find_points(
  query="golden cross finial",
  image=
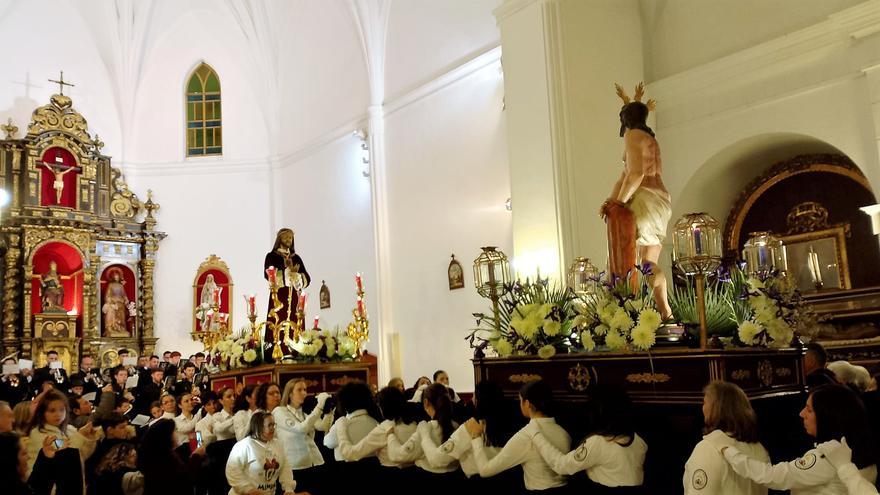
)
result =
(61, 83)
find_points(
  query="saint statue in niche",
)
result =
(292, 276)
(640, 190)
(115, 306)
(51, 290)
(206, 302)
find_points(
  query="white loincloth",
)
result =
(652, 210)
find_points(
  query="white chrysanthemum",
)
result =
(330, 344)
(779, 331)
(546, 352)
(587, 340)
(748, 330)
(621, 321)
(607, 312)
(552, 328)
(650, 319)
(614, 340)
(601, 330)
(643, 336)
(503, 347)
(250, 355)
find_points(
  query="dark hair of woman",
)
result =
(115, 459)
(437, 373)
(416, 384)
(539, 396)
(610, 414)
(257, 426)
(38, 420)
(209, 396)
(438, 396)
(357, 395)
(10, 446)
(262, 391)
(840, 413)
(241, 403)
(731, 412)
(493, 409)
(393, 405)
(157, 460)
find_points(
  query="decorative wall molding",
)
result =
(701, 89)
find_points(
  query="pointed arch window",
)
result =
(204, 130)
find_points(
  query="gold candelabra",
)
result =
(359, 328)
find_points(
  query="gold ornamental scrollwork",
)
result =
(123, 202)
(741, 375)
(647, 378)
(32, 238)
(523, 378)
(10, 287)
(59, 115)
(343, 380)
(783, 372)
(765, 372)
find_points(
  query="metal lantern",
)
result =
(491, 276)
(696, 249)
(696, 243)
(583, 277)
(764, 253)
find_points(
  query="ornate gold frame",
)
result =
(839, 234)
(212, 262)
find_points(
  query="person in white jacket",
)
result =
(423, 447)
(209, 410)
(186, 421)
(612, 454)
(840, 456)
(393, 405)
(534, 401)
(831, 412)
(257, 463)
(296, 430)
(74, 446)
(729, 420)
(223, 428)
(245, 405)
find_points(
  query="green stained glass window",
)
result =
(203, 126)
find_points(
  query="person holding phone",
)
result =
(50, 425)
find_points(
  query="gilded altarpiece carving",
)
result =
(72, 223)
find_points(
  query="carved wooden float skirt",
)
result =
(667, 376)
(321, 377)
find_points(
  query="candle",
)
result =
(817, 268)
(250, 300)
(301, 305)
(359, 281)
(270, 272)
(316, 321)
(360, 305)
(698, 241)
(217, 296)
(210, 321)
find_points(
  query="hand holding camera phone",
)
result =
(58, 443)
(199, 438)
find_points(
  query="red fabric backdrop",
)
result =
(47, 179)
(69, 265)
(221, 280)
(130, 289)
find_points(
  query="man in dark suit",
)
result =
(14, 387)
(53, 371)
(89, 375)
(185, 386)
(149, 393)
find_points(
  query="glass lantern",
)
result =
(491, 272)
(583, 277)
(764, 253)
(696, 243)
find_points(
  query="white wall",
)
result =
(447, 180)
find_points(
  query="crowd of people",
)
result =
(168, 433)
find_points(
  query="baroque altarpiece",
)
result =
(78, 247)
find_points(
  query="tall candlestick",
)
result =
(360, 305)
(359, 281)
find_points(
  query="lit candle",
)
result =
(698, 241)
(250, 301)
(359, 281)
(360, 304)
(301, 306)
(316, 321)
(817, 268)
(270, 272)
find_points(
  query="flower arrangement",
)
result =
(618, 316)
(535, 318)
(235, 352)
(316, 345)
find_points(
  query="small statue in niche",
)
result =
(116, 306)
(51, 290)
(206, 304)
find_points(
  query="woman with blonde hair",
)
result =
(728, 420)
(21, 417)
(296, 430)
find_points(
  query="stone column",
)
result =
(11, 342)
(561, 60)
